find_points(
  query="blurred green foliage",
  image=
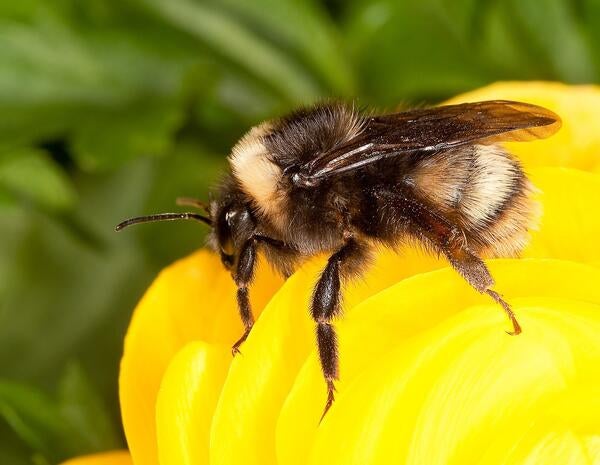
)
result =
(113, 108)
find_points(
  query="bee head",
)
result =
(229, 216)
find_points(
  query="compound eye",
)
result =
(224, 234)
(230, 218)
(232, 222)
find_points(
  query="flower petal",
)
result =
(186, 402)
(409, 350)
(569, 227)
(120, 457)
(261, 376)
(461, 386)
(193, 299)
(567, 428)
(577, 144)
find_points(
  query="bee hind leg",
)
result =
(450, 240)
(476, 273)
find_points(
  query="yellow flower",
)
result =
(428, 375)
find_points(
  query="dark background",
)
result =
(112, 108)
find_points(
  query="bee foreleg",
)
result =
(325, 305)
(243, 277)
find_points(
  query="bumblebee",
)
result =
(330, 179)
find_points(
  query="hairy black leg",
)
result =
(243, 277)
(325, 305)
(449, 240)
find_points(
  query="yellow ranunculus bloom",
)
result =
(428, 375)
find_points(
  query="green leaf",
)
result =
(12, 450)
(566, 48)
(550, 40)
(33, 417)
(230, 39)
(588, 16)
(432, 49)
(32, 174)
(6, 198)
(57, 76)
(413, 49)
(85, 415)
(298, 26)
(77, 423)
(61, 296)
(111, 137)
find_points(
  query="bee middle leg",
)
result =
(326, 305)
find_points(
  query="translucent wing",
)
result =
(432, 130)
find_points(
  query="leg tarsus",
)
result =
(235, 349)
(330, 398)
(511, 315)
(328, 354)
